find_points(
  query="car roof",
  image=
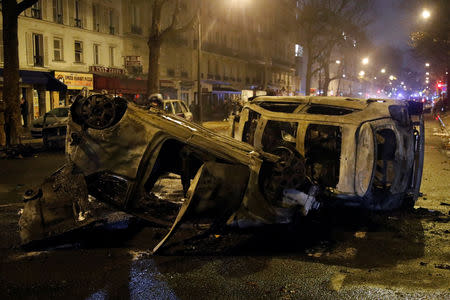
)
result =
(314, 108)
(348, 102)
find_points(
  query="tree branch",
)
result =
(24, 5)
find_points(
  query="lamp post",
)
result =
(199, 58)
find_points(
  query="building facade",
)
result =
(247, 47)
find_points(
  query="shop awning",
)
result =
(225, 90)
(41, 78)
(120, 85)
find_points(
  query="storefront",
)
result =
(40, 89)
(75, 82)
(120, 86)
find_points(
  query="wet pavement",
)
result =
(337, 254)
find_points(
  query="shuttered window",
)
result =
(58, 11)
(78, 51)
(96, 54)
(38, 50)
(57, 49)
(111, 56)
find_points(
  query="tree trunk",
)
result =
(308, 73)
(326, 79)
(11, 72)
(154, 46)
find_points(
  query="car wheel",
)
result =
(45, 141)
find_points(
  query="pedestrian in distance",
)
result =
(24, 111)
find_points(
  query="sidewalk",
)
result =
(28, 139)
(444, 133)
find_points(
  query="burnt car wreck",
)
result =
(366, 153)
(281, 163)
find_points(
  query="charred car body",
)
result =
(116, 151)
(366, 153)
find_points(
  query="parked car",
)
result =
(365, 152)
(53, 116)
(54, 127)
(177, 107)
(36, 127)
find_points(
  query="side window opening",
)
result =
(168, 107)
(248, 134)
(385, 165)
(278, 133)
(177, 107)
(323, 153)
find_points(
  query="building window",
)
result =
(111, 21)
(96, 54)
(77, 18)
(111, 56)
(78, 51)
(57, 49)
(38, 50)
(58, 11)
(96, 17)
(36, 10)
(298, 50)
(135, 24)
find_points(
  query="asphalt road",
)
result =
(341, 254)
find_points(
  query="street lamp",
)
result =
(365, 61)
(391, 77)
(199, 59)
(383, 70)
(362, 73)
(338, 61)
(427, 65)
(426, 14)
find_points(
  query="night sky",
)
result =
(391, 25)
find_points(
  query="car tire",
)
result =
(46, 142)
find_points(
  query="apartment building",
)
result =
(102, 44)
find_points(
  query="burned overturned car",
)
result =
(116, 152)
(366, 153)
(286, 164)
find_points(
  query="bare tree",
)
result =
(323, 26)
(11, 10)
(158, 34)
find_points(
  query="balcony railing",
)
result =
(38, 61)
(184, 74)
(36, 13)
(171, 72)
(217, 77)
(59, 19)
(78, 23)
(136, 29)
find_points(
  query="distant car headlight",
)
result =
(365, 159)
